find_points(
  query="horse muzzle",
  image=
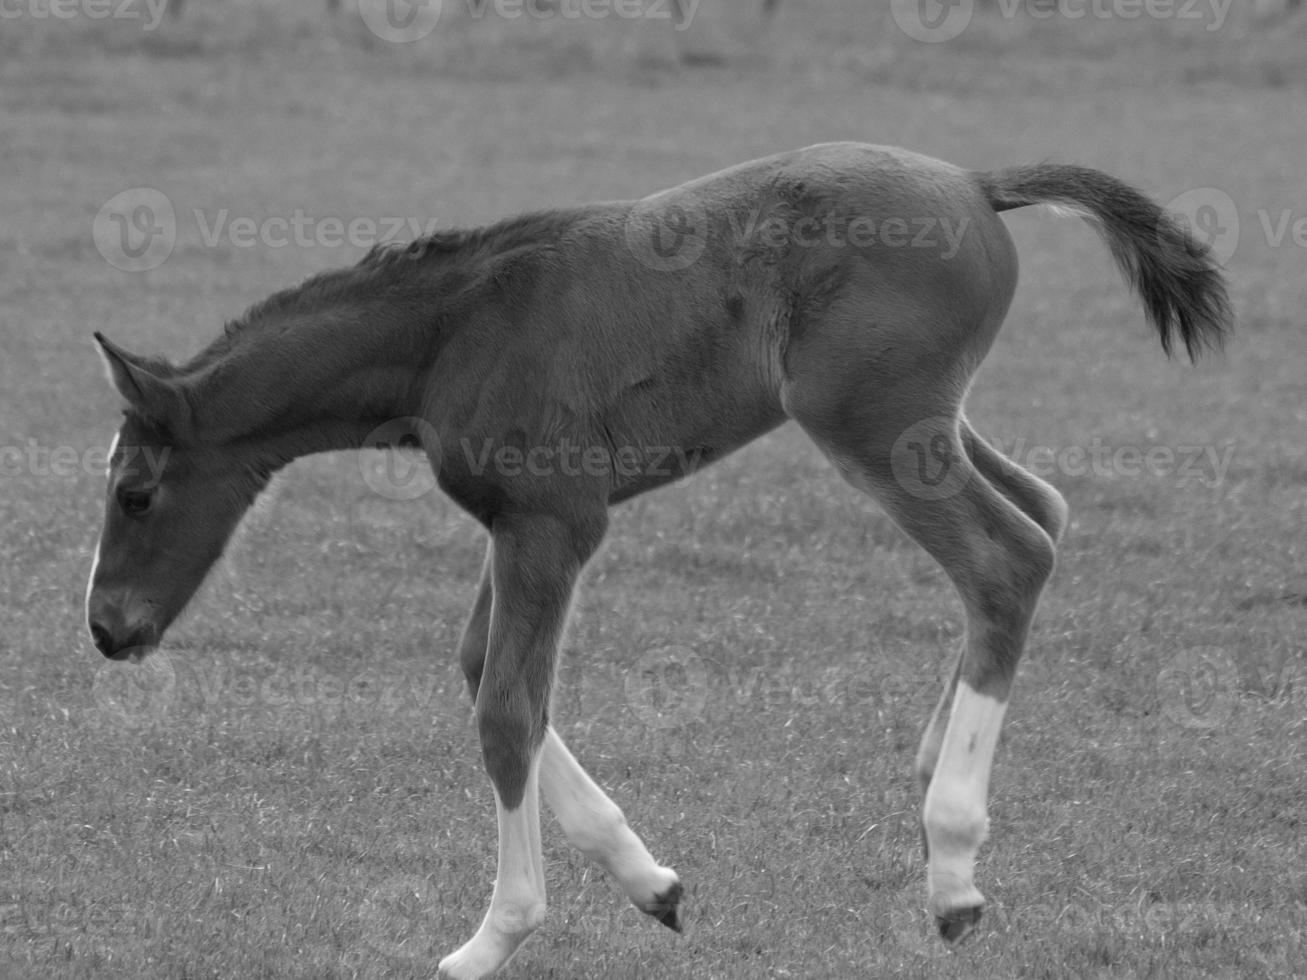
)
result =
(119, 639)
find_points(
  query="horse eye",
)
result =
(134, 502)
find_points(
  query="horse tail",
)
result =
(1176, 276)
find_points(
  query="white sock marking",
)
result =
(956, 803)
(517, 904)
(596, 826)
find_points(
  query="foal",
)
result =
(851, 288)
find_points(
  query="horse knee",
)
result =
(510, 735)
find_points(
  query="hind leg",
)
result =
(1036, 499)
(997, 557)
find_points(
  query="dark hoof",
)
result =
(958, 924)
(663, 907)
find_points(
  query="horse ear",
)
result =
(142, 386)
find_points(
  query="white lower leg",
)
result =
(956, 817)
(517, 905)
(932, 740)
(595, 825)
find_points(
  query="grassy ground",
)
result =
(293, 788)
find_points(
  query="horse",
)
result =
(851, 288)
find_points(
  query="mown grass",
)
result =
(293, 788)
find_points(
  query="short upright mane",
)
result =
(390, 265)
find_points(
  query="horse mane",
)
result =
(390, 266)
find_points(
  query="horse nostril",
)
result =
(103, 640)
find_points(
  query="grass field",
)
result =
(292, 788)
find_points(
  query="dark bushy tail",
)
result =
(1176, 276)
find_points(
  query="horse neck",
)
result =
(319, 383)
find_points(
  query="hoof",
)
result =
(958, 924)
(664, 906)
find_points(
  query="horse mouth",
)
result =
(132, 654)
(133, 648)
(136, 654)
